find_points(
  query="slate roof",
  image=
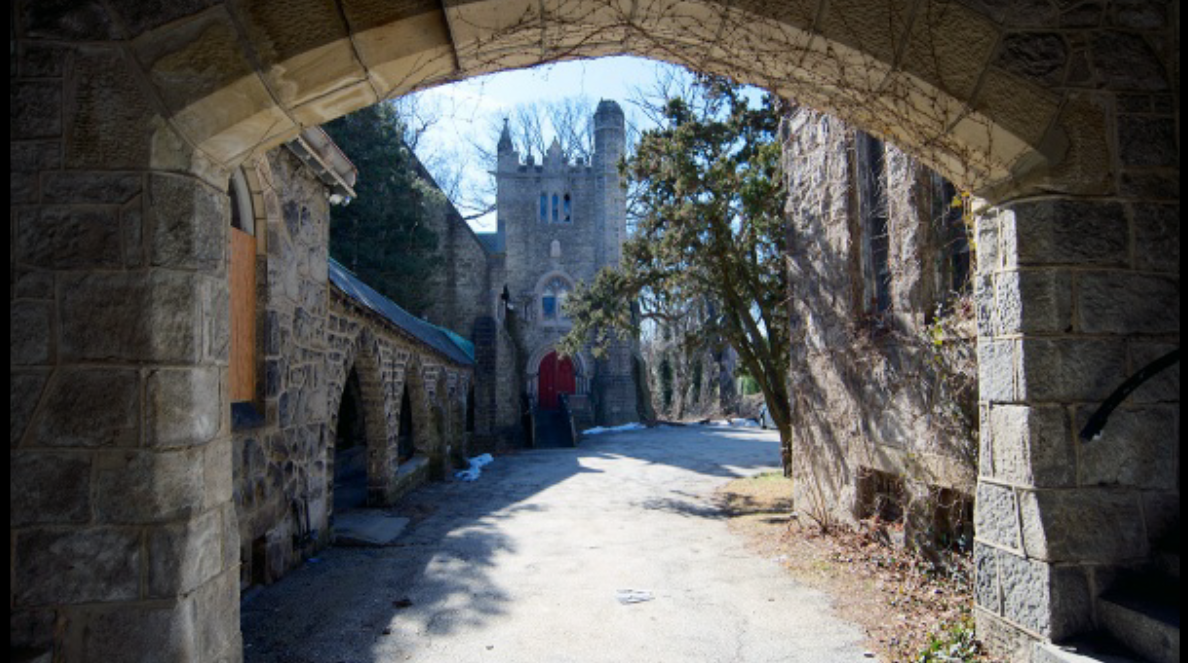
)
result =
(493, 242)
(457, 349)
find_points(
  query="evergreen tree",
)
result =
(383, 236)
(710, 228)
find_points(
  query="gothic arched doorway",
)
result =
(555, 377)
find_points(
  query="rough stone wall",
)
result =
(863, 388)
(437, 393)
(1063, 115)
(283, 464)
(279, 462)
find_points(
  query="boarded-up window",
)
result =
(243, 293)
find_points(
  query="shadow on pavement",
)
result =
(349, 604)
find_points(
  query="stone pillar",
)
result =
(123, 536)
(1073, 296)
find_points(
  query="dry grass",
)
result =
(910, 609)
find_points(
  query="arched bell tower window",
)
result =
(568, 211)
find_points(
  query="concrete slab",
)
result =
(367, 527)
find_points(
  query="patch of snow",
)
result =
(597, 430)
(476, 464)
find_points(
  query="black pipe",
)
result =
(1098, 421)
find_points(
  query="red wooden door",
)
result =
(547, 381)
(565, 377)
(556, 377)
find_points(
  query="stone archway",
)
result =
(126, 122)
(377, 460)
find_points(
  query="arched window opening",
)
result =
(350, 448)
(406, 448)
(555, 213)
(568, 212)
(552, 299)
(242, 284)
(544, 207)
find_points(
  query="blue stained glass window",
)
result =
(548, 304)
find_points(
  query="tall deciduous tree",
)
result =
(709, 227)
(383, 236)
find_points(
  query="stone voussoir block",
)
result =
(997, 369)
(996, 517)
(25, 388)
(1138, 448)
(137, 632)
(31, 338)
(52, 567)
(73, 187)
(187, 221)
(1070, 369)
(183, 406)
(1113, 303)
(90, 407)
(1033, 301)
(69, 237)
(49, 488)
(144, 315)
(1075, 232)
(137, 486)
(1157, 237)
(1083, 525)
(1032, 446)
(1025, 591)
(183, 556)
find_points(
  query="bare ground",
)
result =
(910, 609)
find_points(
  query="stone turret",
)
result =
(610, 143)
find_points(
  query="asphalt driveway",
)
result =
(610, 552)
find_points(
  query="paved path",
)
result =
(524, 566)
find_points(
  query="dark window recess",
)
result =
(568, 213)
(948, 217)
(470, 411)
(544, 207)
(880, 495)
(877, 213)
(548, 305)
(260, 561)
(406, 448)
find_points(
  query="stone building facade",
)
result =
(127, 119)
(318, 324)
(890, 411)
(883, 374)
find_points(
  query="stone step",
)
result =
(552, 430)
(1098, 649)
(1143, 613)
